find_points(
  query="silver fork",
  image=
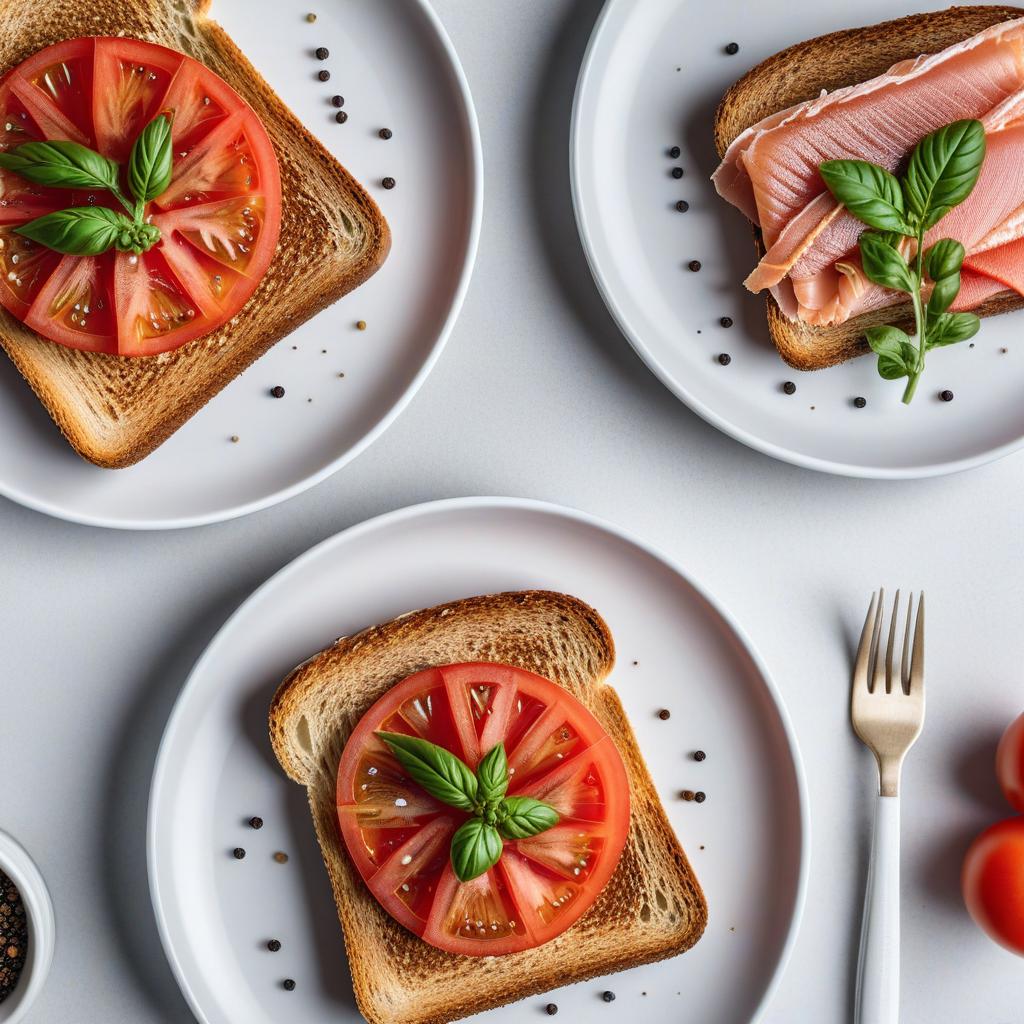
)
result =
(887, 709)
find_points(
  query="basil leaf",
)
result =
(61, 164)
(949, 328)
(80, 231)
(150, 165)
(942, 263)
(886, 339)
(884, 265)
(492, 774)
(869, 192)
(520, 817)
(476, 846)
(943, 169)
(435, 769)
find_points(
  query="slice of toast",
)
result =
(829, 62)
(115, 410)
(652, 907)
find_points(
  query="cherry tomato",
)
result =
(1010, 763)
(993, 883)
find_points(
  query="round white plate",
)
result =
(396, 68)
(748, 842)
(651, 79)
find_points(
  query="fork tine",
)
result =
(905, 661)
(863, 662)
(877, 644)
(917, 664)
(891, 647)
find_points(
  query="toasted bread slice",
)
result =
(829, 62)
(116, 410)
(652, 907)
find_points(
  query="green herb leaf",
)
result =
(438, 771)
(476, 846)
(81, 231)
(61, 164)
(943, 169)
(949, 328)
(492, 774)
(897, 356)
(150, 165)
(942, 263)
(883, 264)
(869, 192)
(520, 817)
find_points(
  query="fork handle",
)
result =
(878, 970)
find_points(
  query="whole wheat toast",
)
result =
(115, 410)
(830, 62)
(652, 907)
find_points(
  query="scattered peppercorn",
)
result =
(732, 48)
(238, 853)
(324, 76)
(311, 17)
(14, 936)
(699, 755)
(860, 402)
(337, 101)
(664, 714)
(341, 117)
(234, 439)
(288, 984)
(360, 325)
(385, 133)
(322, 53)
(726, 321)
(682, 206)
(281, 858)
(946, 396)
(1004, 350)
(273, 945)
(677, 172)
(277, 391)
(675, 152)
(256, 821)
(388, 182)
(700, 796)
(694, 265)
(608, 997)
(551, 1009)
(687, 794)
(789, 387)
(724, 358)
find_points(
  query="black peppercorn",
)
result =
(687, 794)
(288, 984)
(551, 1009)
(388, 182)
(682, 206)
(273, 945)
(337, 101)
(677, 172)
(238, 853)
(725, 359)
(385, 133)
(341, 117)
(694, 265)
(700, 796)
(324, 76)
(860, 402)
(726, 321)
(946, 396)
(322, 53)
(789, 387)
(699, 755)
(732, 48)
(256, 822)
(277, 391)
(608, 997)
(664, 714)
(674, 152)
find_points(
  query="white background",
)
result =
(538, 395)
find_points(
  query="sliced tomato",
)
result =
(219, 219)
(399, 837)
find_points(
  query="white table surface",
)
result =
(538, 395)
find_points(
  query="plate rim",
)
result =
(468, 116)
(444, 506)
(585, 88)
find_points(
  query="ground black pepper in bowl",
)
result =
(13, 936)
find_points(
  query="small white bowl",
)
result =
(42, 930)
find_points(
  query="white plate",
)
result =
(215, 767)
(651, 79)
(396, 68)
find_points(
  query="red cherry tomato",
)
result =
(1010, 763)
(993, 883)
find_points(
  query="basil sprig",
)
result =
(943, 169)
(477, 844)
(92, 230)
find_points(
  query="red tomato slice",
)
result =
(219, 219)
(399, 837)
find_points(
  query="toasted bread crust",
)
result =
(830, 62)
(115, 410)
(652, 907)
